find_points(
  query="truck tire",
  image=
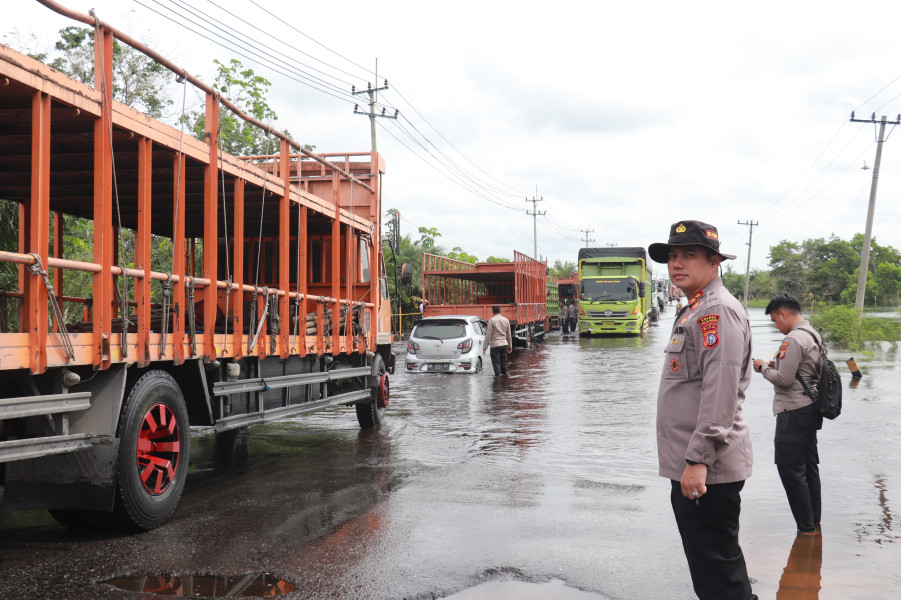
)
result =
(370, 414)
(154, 447)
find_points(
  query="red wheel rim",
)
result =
(159, 447)
(384, 393)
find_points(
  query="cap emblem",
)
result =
(680, 228)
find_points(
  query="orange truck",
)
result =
(455, 287)
(270, 302)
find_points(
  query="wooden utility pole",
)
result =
(751, 225)
(868, 234)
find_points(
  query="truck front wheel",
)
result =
(154, 444)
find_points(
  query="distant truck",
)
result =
(615, 293)
(454, 287)
(552, 319)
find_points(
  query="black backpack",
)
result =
(827, 394)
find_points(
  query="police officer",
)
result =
(797, 418)
(703, 443)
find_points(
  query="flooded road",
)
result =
(539, 485)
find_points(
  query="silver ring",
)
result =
(695, 494)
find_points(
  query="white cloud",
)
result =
(624, 116)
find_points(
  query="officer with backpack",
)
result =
(794, 371)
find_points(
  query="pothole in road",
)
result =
(252, 585)
(519, 590)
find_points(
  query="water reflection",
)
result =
(881, 532)
(254, 585)
(801, 577)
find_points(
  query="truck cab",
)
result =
(614, 291)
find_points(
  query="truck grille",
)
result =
(605, 314)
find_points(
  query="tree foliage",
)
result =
(827, 270)
(563, 270)
(247, 91)
(138, 81)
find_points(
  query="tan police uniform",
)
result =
(798, 353)
(702, 388)
(797, 421)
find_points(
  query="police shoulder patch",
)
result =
(710, 330)
(782, 348)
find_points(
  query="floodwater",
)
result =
(542, 484)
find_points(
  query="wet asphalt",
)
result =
(541, 484)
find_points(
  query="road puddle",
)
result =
(253, 585)
(520, 590)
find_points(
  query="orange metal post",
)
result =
(302, 275)
(23, 233)
(284, 251)
(38, 231)
(178, 263)
(142, 249)
(211, 229)
(336, 262)
(103, 199)
(238, 296)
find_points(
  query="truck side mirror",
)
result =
(642, 285)
(406, 274)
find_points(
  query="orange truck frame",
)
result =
(274, 303)
(455, 287)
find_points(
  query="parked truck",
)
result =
(455, 287)
(553, 317)
(615, 293)
(271, 300)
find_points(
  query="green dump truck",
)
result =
(615, 292)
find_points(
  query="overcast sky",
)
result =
(623, 117)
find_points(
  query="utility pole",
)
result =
(535, 214)
(373, 94)
(868, 234)
(751, 225)
(586, 239)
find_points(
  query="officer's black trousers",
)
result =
(797, 461)
(499, 360)
(709, 530)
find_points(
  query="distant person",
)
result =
(422, 307)
(564, 316)
(797, 418)
(572, 315)
(703, 444)
(499, 338)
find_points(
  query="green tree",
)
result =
(247, 91)
(458, 254)
(563, 270)
(427, 239)
(138, 81)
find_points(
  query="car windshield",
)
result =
(608, 290)
(440, 330)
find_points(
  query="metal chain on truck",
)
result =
(37, 268)
(192, 324)
(256, 336)
(164, 326)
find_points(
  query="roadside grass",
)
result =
(844, 327)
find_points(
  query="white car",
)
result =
(450, 344)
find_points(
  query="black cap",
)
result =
(688, 233)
